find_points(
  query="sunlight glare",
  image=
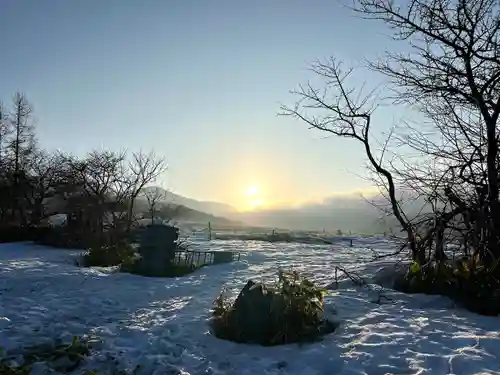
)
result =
(252, 191)
(254, 198)
(256, 203)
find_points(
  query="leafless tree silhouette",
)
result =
(451, 75)
(154, 196)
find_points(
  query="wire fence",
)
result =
(197, 259)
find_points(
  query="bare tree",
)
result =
(22, 144)
(17, 135)
(346, 117)
(5, 129)
(452, 76)
(93, 184)
(44, 178)
(112, 183)
(154, 195)
(144, 169)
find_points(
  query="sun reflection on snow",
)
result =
(158, 312)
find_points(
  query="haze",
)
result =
(199, 82)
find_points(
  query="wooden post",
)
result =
(209, 231)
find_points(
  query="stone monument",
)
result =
(157, 249)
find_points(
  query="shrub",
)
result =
(475, 288)
(13, 233)
(120, 253)
(64, 238)
(289, 311)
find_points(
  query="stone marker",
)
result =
(157, 249)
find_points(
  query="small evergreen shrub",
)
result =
(475, 288)
(289, 311)
(117, 254)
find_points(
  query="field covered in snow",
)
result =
(159, 326)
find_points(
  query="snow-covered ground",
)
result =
(154, 325)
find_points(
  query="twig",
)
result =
(356, 280)
(403, 246)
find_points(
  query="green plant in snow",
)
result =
(471, 284)
(120, 253)
(290, 310)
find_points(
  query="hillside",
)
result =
(347, 213)
(183, 213)
(186, 214)
(211, 208)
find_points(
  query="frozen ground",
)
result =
(161, 326)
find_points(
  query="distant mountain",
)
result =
(186, 214)
(346, 216)
(180, 208)
(212, 208)
(347, 213)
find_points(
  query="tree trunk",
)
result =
(493, 204)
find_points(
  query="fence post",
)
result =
(336, 279)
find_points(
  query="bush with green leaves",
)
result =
(471, 285)
(291, 310)
(115, 254)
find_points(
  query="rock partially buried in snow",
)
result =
(388, 275)
(251, 312)
(292, 312)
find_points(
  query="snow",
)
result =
(159, 326)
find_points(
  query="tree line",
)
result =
(96, 192)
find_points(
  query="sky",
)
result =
(199, 82)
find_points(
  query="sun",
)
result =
(254, 197)
(252, 191)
